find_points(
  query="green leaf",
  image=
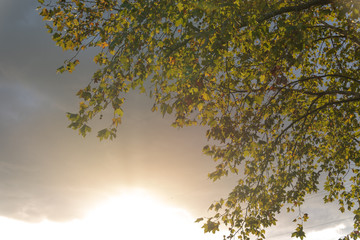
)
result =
(103, 134)
(84, 130)
(199, 220)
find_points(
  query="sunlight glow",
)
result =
(137, 215)
(328, 233)
(132, 215)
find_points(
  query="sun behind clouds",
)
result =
(137, 215)
(131, 215)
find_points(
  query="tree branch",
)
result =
(297, 8)
(343, 32)
(322, 93)
(322, 76)
(313, 111)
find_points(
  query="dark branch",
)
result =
(314, 111)
(304, 79)
(343, 32)
(322, 93)
(297, 8)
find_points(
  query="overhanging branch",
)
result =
(314, 111)
(296, 8)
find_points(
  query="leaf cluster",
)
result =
(276, 83)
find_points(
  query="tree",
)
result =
(276, 83)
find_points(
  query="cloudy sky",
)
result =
(55, 184)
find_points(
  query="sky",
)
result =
(150, 182)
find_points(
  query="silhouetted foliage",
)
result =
(276, 83)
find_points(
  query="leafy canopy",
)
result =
(276, 83)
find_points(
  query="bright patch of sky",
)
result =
(134, 215)
(328, 233)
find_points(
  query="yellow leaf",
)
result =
(103, 44)
(206, 96)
